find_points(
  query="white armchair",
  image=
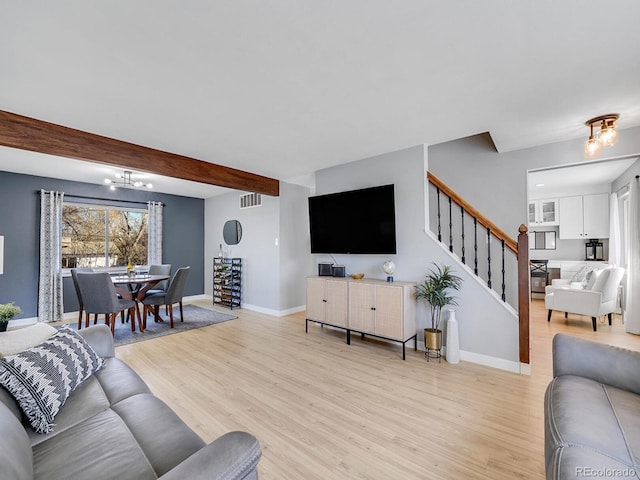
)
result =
(599, 298)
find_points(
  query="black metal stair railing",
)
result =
(486, 257)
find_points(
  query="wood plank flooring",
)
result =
(324, 410)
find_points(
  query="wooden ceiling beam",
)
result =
(27, 133)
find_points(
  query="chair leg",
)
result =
(113, 322)
(593, 320)
(566, 314)
(181, 314)
(95, 318)
(171, 315)
(86, 319)
(549, 316)
(80, 318)
(609, 315)
(145, 313)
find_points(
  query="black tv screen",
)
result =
(359, 221)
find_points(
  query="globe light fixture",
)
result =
(606, 137)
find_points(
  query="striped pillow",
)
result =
(42, 377)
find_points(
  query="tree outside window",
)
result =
(98, 236)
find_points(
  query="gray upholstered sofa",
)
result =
(592, 411)
(112, 427)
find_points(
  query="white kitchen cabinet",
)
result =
(584, 216)
(543, 213)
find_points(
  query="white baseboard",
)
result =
(486, 360)
(274, 313)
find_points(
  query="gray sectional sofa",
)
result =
(113, 427)
(592, 411)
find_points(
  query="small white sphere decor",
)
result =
(389, 267)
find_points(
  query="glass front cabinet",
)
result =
(543, 213)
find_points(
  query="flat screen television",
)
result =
(358, 221)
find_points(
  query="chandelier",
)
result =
(606, 137)
(125, 180)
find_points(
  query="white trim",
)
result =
(274, 313)
(525, 369)
(485, 360)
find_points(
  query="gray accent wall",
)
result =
(183, 234)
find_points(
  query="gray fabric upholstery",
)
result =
(113, 427)
(592, 411)
(164, 269)
(74, 277)
(174, 292)
(99, 294)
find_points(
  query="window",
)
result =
(101, 236)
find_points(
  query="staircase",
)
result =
(501, 262)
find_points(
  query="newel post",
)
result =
(524, 292)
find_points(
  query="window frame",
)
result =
(66, 272)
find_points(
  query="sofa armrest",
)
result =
(582, 302)
(606, 364)
(560, 282)
(233, 456)
(100, 339)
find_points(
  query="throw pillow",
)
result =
(42, 377)
(581, 274)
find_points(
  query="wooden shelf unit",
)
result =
(227, 282)
(369, 307)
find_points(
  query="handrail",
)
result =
(509, 242)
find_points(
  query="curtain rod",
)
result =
(102, 199)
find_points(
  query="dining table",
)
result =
(137, 287)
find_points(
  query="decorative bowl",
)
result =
(357, 276)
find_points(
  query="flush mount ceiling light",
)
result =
(606, 137)
(125, 180)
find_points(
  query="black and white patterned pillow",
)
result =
(42, 377)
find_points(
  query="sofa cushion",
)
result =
(590, 424)
(100, 447)
(149, 419)
(42, 377)
(114, 382)
(16, 460)
(15, 341)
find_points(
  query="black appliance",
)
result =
(594, 250)
(358, 221)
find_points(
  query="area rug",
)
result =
(194, 317)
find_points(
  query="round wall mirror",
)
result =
(232, 232)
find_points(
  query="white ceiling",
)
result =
(283, 88)
(554, 181)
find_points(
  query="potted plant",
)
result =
(7, 312)
(436, 291)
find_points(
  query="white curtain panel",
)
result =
(632, 313)
(50, 299)
(154, 225)
(614, 231)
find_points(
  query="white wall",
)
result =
(488, 328)
(260, 255)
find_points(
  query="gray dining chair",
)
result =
(160, 287)
(74, 272)
(173, 295)
(99, 297)
(163, 269)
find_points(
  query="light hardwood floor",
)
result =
(325, 410)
